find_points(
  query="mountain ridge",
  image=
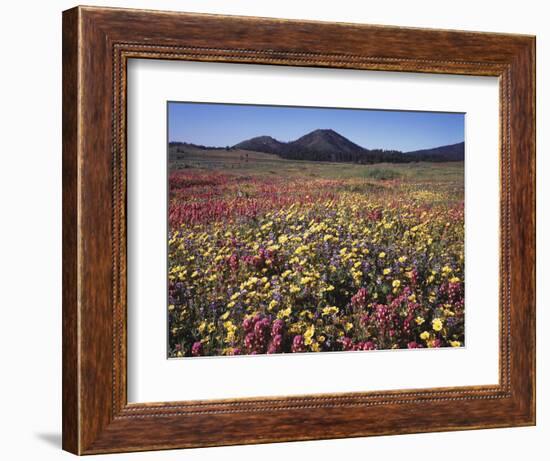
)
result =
(451, 151)
(325, 144)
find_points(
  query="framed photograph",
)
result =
(280, 230)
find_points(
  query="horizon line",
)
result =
(313, 131)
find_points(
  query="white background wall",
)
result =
(30, 227)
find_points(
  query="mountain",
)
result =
(450, 153)
(326, 142)
(265, 144)
(326, 145)
(322, 145)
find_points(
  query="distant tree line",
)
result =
(370, 156)
(180, 146)
(356, 154)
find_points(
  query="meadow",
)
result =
(268, 255)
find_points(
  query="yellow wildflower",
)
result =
(330, 310)
(437, 324)
(315, 346)
(308, 335)
(284, 313)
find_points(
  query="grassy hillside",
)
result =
(242, 162)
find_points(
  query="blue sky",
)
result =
(229, 124)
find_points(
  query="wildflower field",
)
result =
(275, 256)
